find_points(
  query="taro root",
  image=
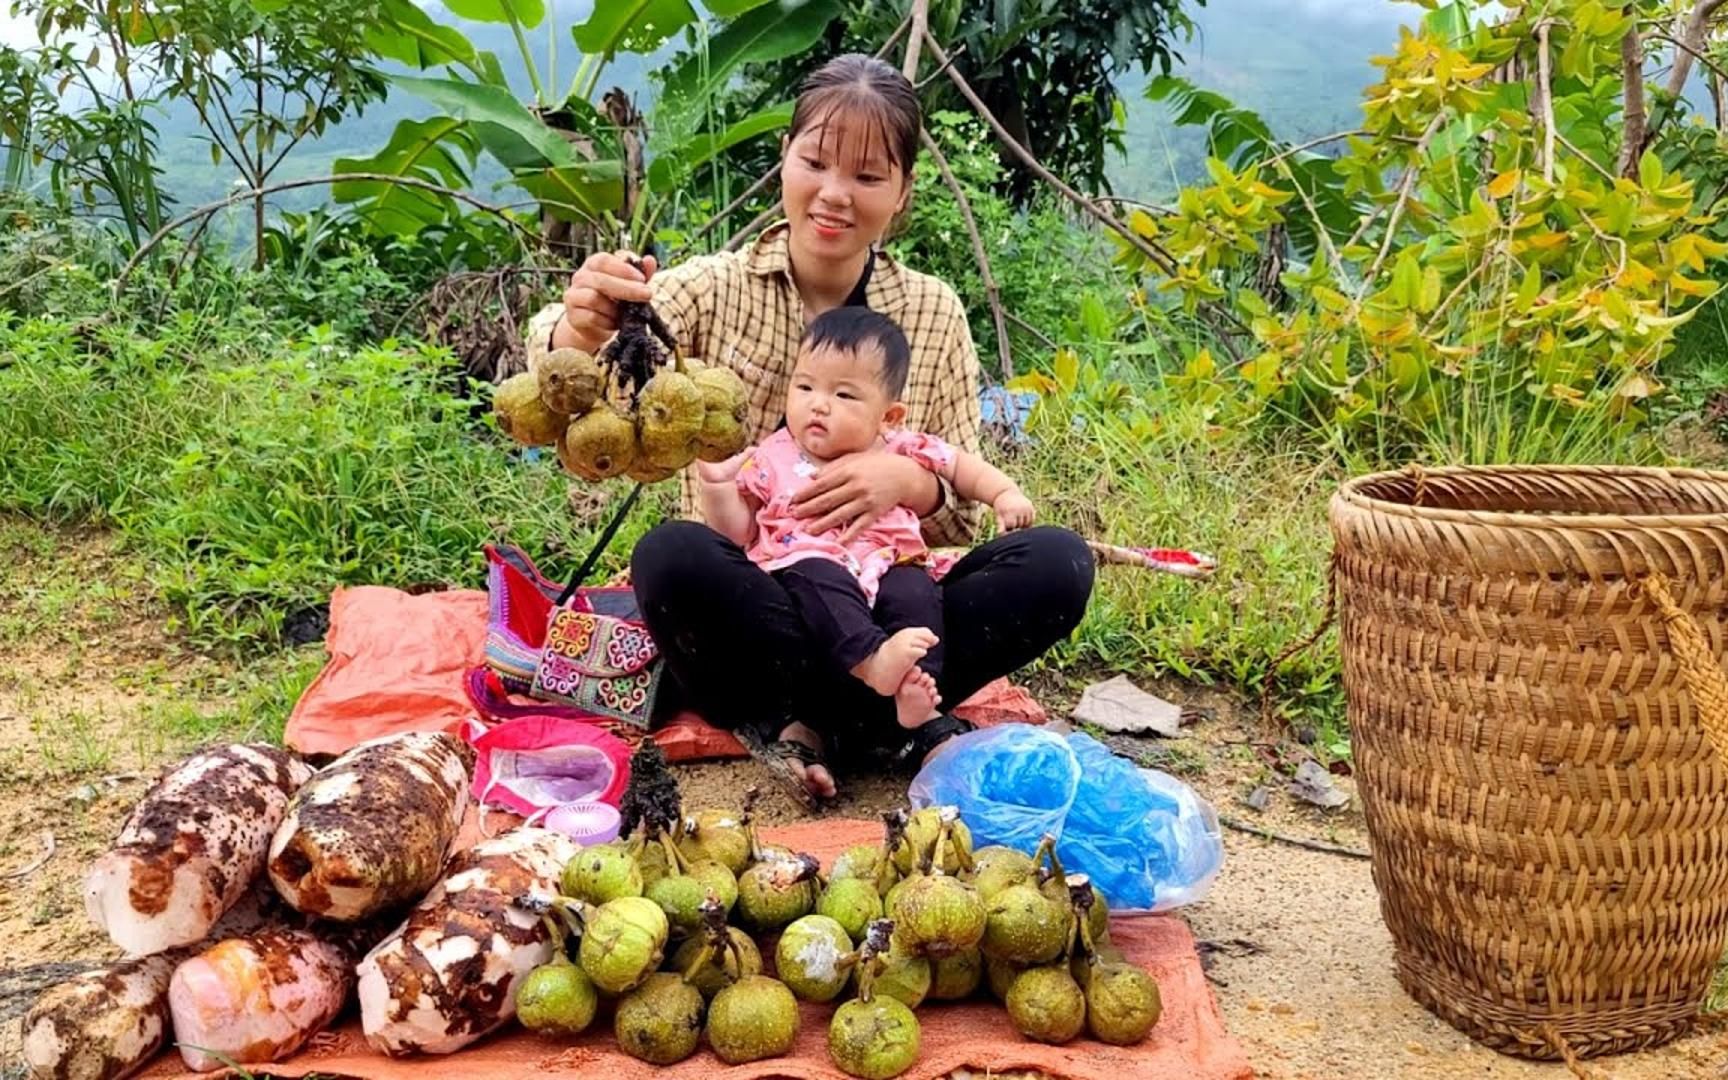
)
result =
(557, 998)
(873, 1037)
(603, 872)
(953, 978)
(814, 958)
(922, 831)
(1122, 1000)
(851, 902)
(938, 915)
(1045, 1004)
(753, 1018)
(774, 893)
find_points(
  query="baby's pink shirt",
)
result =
(777, 470)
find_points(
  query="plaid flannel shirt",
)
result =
(742, 310)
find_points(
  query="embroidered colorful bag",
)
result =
(583, 647)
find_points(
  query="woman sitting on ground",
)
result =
(736, 648)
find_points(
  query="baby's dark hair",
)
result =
(855, 328)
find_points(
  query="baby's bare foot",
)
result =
(886, 669)
(916, 700)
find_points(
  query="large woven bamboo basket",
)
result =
(1533, 664)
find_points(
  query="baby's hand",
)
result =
(722, 472)
(1013, 510)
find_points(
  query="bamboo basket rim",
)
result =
(1351, 492)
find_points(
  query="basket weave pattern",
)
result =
(1532, 662)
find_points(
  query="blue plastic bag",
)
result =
(1147, 841)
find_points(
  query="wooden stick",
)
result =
(1632, 67)
(1043, 338)
(915, 40)
(991, 292)
(1545, 97)
(1294, 841)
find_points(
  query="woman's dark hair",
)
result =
(853, 329)
(873, 91)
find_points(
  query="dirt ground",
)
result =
(95, 695)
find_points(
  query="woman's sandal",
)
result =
(928, 737)
(779, 757)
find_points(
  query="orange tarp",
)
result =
(1189, 1043)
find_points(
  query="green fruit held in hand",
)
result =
(601, 873)
(873, 1040)
(1045, 1004)
(660, 1022)
(814, 958)
(623, 943)
(851, 902)
(598, 445)
(752, 1019)
(712, 977)
(669, 420)
(569, 381)
(523, 416)
(557, 999)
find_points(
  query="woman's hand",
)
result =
(859, 488)
(591, 301)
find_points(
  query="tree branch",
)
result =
(1632, 68)
(1545, 101)
(1295, 841)
(1312, 143)
(1404, 189)
(1691, 42)
(991, 292)
(1043, 339)
(920, 25)
(1159, 257)
(289, 185)
(1702, 58)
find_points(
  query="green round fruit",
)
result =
(679, 896)
(601, 873)
(851, 902)
(623, 943)
(864, 862)
(953, 978)
(1024, 926)
(999, 975)
(660, 1022)
(939, 915)
(995, 868)
(754, 1018)
(922, 830)
(723, 969)
(1045, 1004)
(718, 835)
(813, 957)
(905, 976)
(873, 1040)
(715, 878)
(1122, 1003)
(557, 999)
(772, 894)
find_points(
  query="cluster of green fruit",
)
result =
(681, 414)
(919, 917)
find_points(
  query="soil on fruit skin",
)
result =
(1300, 960)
